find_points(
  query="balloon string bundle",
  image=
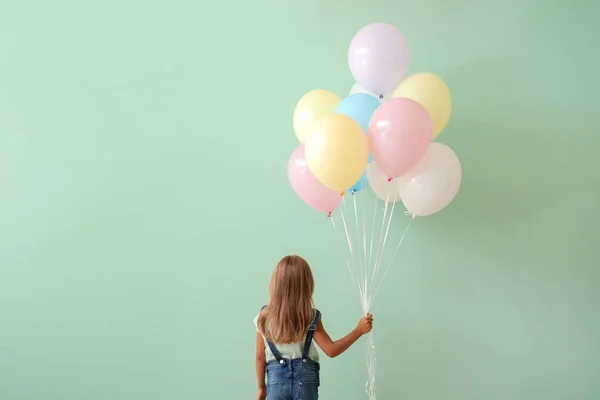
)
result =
(365, 263)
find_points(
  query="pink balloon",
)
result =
(400, 132)
(378, 57)
(308, 188)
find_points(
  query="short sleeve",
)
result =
(256, 322)
(319, 315)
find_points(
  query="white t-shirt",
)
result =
(291, 351)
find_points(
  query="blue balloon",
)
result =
(360, 107)
(361, 184)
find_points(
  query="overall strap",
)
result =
(273, 348)
(309, 336)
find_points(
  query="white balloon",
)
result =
(433, 183)
(359, 89)
(383, 188)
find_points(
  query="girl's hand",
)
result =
(365, 325)
(262, 394)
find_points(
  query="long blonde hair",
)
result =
(290, 310)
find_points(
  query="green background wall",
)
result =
(144, 199)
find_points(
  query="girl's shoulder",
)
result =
(256, 320)
(315, 310)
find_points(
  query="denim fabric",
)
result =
(293, 380)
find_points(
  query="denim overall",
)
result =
(294, 379)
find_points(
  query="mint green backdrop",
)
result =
(144, 199)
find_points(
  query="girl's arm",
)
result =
(261, 362)
(334, 349)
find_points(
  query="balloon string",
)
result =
(371, 358)
(378, 252)
(347, 235)
(370, 355)
(362, 267)
(364, 233)
(387, 231)
(366, 273)
(360, 292)
(391, 261)
(360, 289)
(349, 240)
(373, 228)
(364, 293)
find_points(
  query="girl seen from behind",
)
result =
(286, 328)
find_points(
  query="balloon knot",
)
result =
(329, 214)
(381, 96)
(390, 179)
(342, 193)
(352, 192)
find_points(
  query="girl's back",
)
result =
(286, 327)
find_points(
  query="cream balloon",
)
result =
(385, 189)
(337, 151)
(313, 106)
(432, 93)
(359, 89)
(433, 183)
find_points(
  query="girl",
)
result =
(286, 328)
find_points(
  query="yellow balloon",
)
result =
(431, 92)
(337, 151)
(313, 106)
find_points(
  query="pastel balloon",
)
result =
(433, 183)
(313, 106)
(307, 187)
(378, 57)
(337, 151)
(385, 189)
(360, 184)
(356, 88)
(360, 107)
(400, 132)
(432, 93)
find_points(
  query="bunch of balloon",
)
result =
(387, 120)
(379, 136)
(333, 151)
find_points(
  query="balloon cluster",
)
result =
(380, 135)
